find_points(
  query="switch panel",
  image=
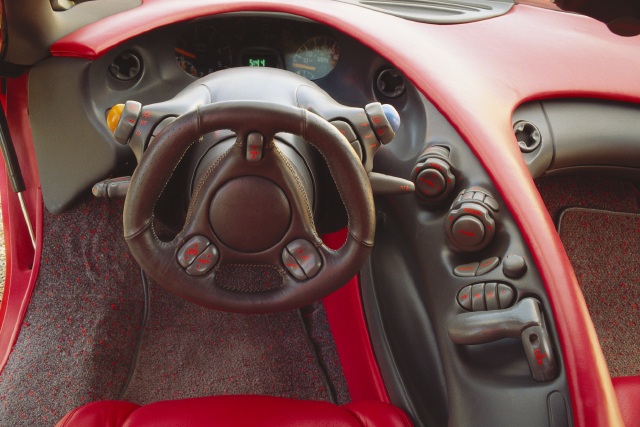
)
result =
(486, 296)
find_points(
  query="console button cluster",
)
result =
(198, 256)
(486, 296)
(301, 259)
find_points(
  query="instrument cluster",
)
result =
(303, 47)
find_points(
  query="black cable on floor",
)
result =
(143, 323)
(320, 340)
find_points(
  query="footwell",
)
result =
(603, 249)
(83, 337)
(599, 224)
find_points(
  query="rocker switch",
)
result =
(127, 121)
(292, 265)
(255, 146)
(306, 255)
(204, 262)
(190, 250)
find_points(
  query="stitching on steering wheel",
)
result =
(202, 181)
(293, 173)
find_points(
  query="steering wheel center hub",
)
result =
(250, 214)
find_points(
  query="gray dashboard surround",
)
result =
(68, 102)
(69, 148)
(580, 134)
(33, 26)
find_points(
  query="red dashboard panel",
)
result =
(23, 263)
(476, 75)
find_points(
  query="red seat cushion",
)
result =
(232, 411)
(628, 392)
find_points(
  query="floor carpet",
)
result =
(78, 336)
(604, 249)
(83, 337)
(599, 225)
(190, 351)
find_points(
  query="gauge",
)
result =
(316, 58)
(201, 50)
(185, 60)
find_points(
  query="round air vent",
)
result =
(528, 136)
(126, 66)
(390, 83)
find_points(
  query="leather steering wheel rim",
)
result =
(158, 258)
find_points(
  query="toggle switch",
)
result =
(122, 120)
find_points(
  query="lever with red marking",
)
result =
(524, 320)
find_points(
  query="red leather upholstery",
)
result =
(235, 411)
(107, 413)
(628, 392)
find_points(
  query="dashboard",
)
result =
(173, 56)
(304, 48)
(474, 87)
(155, 66)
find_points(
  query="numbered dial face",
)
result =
(316, 58)
(202, 50)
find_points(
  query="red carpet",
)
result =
(599, 224)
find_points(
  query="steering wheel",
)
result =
(249, 243)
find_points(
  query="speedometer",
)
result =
(316, 57)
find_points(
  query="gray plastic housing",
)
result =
(579, 134)
(409, 290)
(33, 25)
(68, 102)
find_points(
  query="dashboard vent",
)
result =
(126, 66)
(438, 11)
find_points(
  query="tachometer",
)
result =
(201, 50)
(316, 58)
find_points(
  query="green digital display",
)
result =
(257, 62)
(260, 59)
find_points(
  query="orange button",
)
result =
(113, 117)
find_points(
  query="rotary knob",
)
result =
(470, 224)
(433, 175)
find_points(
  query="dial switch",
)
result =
(468, 231)
(470, 224)
(433, 175)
